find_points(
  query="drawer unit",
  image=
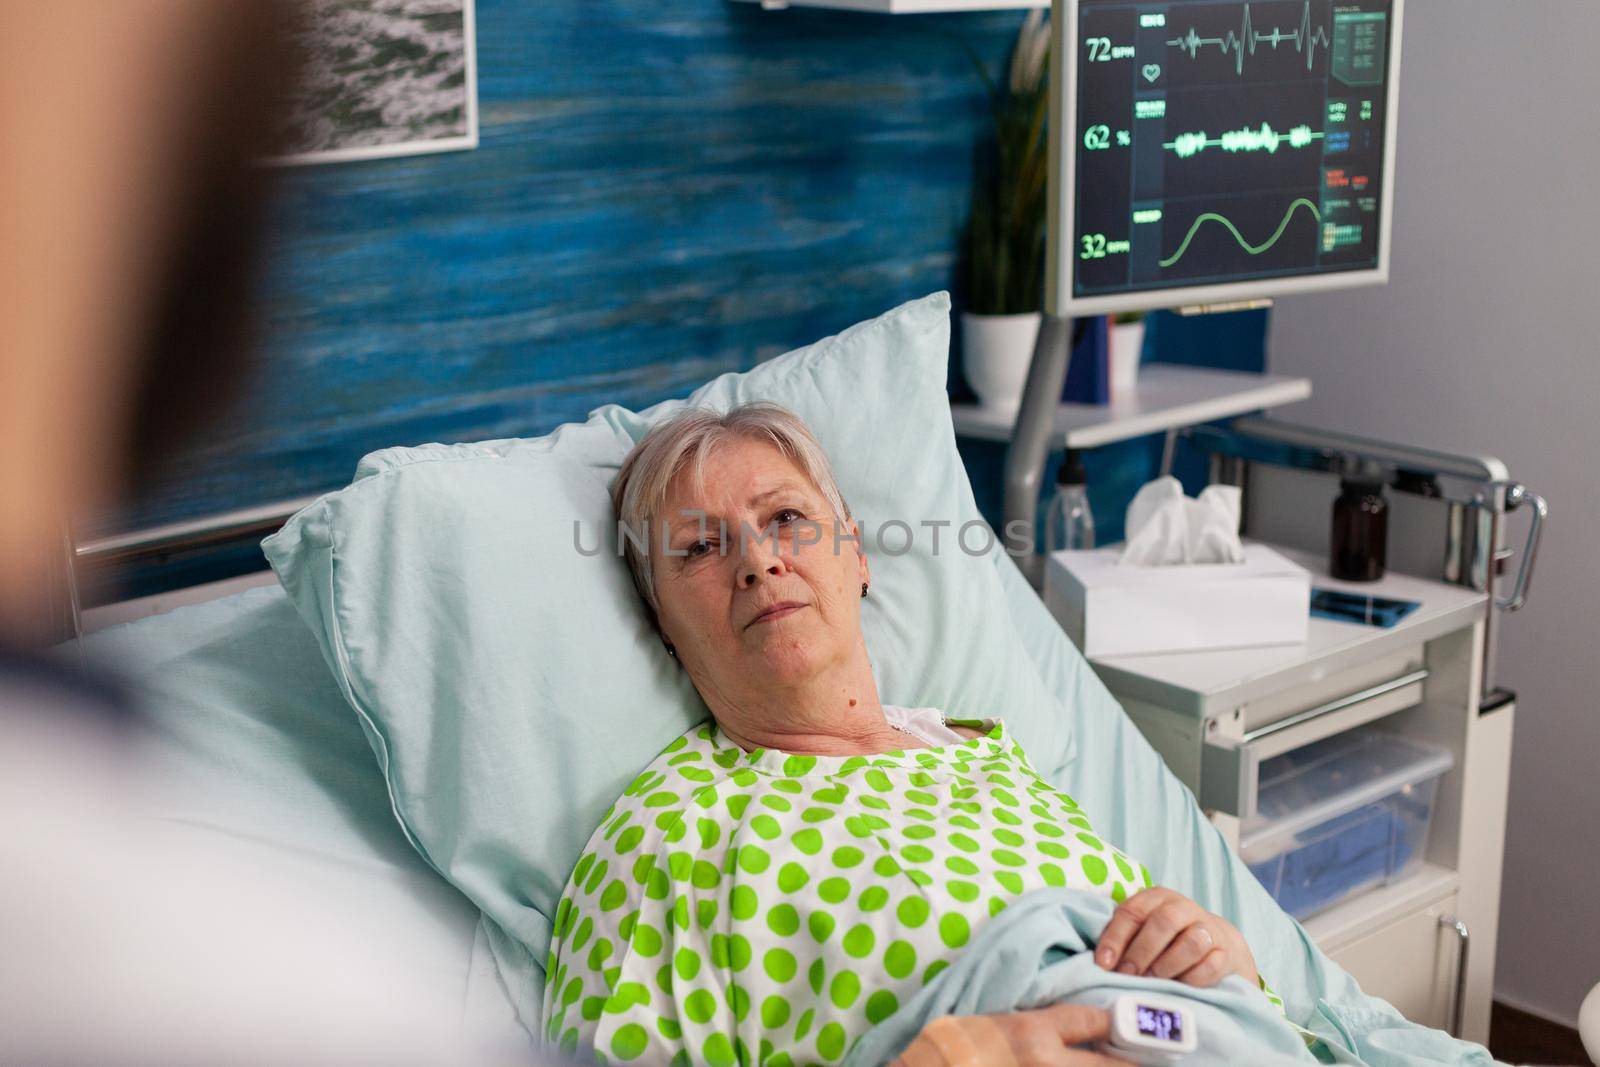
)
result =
(1231, 765)
(1348, 813)
(1221, 718)
(1429, 944)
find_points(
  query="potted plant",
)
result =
(1004, 241)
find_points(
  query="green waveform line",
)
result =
(1248, 39)
(1266, 139)
(1254, 250)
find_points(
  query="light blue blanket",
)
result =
(1036, 953)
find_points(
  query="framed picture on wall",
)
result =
(382, 78)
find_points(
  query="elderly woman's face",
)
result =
(752, 610)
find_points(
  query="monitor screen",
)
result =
(1222, 151)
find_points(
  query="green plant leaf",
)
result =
(1004, 240)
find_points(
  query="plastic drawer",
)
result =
(1340, 816)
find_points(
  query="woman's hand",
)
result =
(1162, 933)
(1040, 1038)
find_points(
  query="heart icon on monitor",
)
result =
(1152, 71)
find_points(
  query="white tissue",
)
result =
(1165, 527)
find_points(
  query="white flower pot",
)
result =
(1127, 341)
(996, 351)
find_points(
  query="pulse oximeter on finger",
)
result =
(1151, 1030)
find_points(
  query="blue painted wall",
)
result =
(663, 192)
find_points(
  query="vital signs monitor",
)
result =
(1210, 153)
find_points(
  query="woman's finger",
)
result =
(1158, 931)
(1125, 923)
(1186, 950)
(1209, 971)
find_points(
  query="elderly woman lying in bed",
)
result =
(786, 876)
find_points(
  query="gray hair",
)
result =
(682, 444)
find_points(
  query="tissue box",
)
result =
(1113, 610)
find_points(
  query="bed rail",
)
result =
(210, 531)
(85, 569)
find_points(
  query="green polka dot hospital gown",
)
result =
(767, 908)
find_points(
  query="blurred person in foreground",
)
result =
(130, 209)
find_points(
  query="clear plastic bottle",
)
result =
(1070, 524)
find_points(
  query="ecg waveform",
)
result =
(1266, 139)
(1248, 39)
(1254, 250)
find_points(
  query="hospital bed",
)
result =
(244, 707)
(266, 725)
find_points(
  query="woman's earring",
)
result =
(672, 652)
(863, 588)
